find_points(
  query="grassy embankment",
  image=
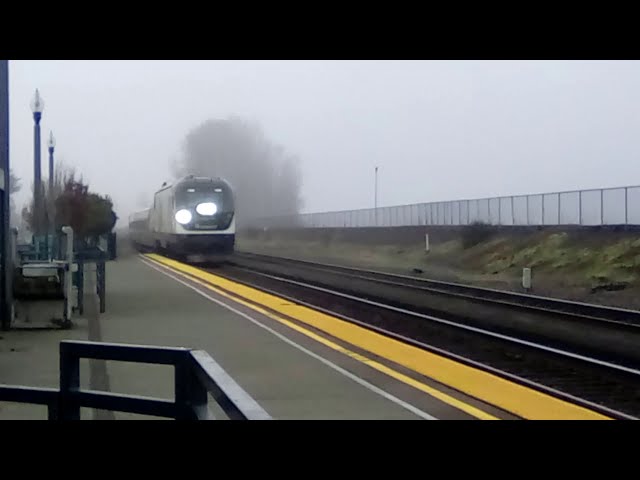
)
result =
(585, 265)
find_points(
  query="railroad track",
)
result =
(574, 374)
(512, 299)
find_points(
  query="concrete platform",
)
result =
(290, 375)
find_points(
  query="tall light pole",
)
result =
(52, 146)
(50, 197)
(6, 262)
(37, 105)
(375, 198)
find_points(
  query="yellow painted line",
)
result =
(517, 399)
(454, 402)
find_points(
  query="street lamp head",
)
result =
(52, 141)
(37, 104)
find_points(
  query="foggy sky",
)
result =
(438, 130)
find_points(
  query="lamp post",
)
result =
(37, 105)
(6, 262)
(51, 199)
(375, 200)
(52, 146)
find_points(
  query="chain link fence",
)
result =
(596, 207)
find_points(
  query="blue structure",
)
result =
(37, 105)
(52, 146)
(6, 297)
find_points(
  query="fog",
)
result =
(437, 130)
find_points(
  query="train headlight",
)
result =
(183, 216)
(208, 208)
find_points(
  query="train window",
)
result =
(190, 196)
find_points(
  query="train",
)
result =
(192, 219)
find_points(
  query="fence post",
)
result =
(601, 207)
(68, 275)
(489, 208)
(513, 212)
(69, 409)
(80, 286)
(580, 206)
(101, 284)
(191, 396)
(626, 206)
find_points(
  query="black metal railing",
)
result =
(101, 284)
(196, 375)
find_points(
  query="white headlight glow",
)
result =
(183, 216)
(207, 208)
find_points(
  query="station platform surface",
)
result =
(289, 375)
(293, 371)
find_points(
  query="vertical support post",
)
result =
(51, 170)
(6, 277)
(80, 286)
(513, 212)
(580, 206)
(375, 199)
(101, 273)
(69, 408)
(37, 186)
(601, 207)
(68, 275)
(191, 396)
(528, 221)
(626, 206)
(559, 207)
(14, 247)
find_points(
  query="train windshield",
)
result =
(192, 195)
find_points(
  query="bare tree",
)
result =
(267, 181)
(63, 174)
(15, 183)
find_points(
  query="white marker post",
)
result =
(68, 280)
(526, 278)
(426, 242)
